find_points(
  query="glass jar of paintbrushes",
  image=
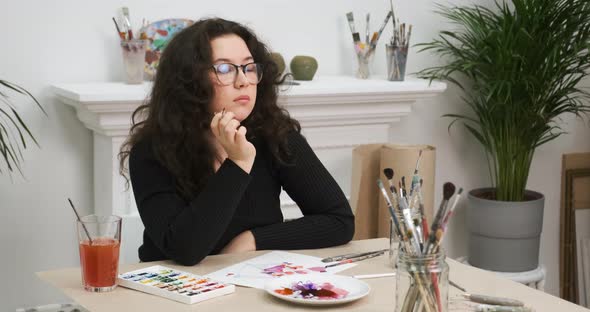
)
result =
(422, 282)
(133, 48)
(397, 50)
(421, 269)
(365, 49)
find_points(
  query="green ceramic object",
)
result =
(303, 67)
(279, 60)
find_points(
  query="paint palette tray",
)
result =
(174, 284)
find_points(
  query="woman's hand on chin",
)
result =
(232, 137)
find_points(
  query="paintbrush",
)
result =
(409, 35)
(355, 35)
(367, 29)
(351, 255)
(493, 300)
(398, 229)
(125, 11)
(416, 177)
(403, 187)
(389, 173)
(377, 275)
(119, 32)
(421, 207)
(440, 232)
(448, 191)
(414, 205)
(416, 200)
(457, 286)
(499, 308)
(403, 34)
(394, 35)
(487, 299)
(452, 209)
(389, 206)
(411, 231)
(377, 34)
(365, 257)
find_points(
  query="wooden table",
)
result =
(381, 298)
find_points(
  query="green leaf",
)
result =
(14, 132)
(520, 65)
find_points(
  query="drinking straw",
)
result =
(83, 225)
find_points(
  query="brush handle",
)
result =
(351, 255)
(457, 286)
(373, 255)
(367, 29)
(436, 225)
(494, 300)
(391, 211)
(350, 18)
(497, 308)
(412, 230)
(374, 275)
(389, 14)
(425, 229)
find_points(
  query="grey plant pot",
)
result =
(504, 236)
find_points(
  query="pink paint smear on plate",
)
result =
(312, 291)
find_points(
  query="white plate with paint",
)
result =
(317, 289)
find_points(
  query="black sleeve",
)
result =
(328, 219)
(184, 232)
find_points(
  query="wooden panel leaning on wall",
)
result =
(368, 161)
(575, 195)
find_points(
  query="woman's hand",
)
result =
(232, 138)
(241, 243)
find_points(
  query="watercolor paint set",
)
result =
(174, 284)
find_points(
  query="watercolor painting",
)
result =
(288, 268)
(257, 271)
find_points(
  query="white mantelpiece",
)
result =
(336, 113)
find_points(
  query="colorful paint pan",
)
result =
(173, 284)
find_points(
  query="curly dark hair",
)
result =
(176, 118)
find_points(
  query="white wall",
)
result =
(46, 42)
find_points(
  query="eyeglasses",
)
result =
(227, 73)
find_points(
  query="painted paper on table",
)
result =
(257, 271)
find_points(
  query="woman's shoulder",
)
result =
(141, 150)
(296, 140)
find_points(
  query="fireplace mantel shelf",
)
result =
(105, 107)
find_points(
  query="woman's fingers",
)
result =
(230, 130)
(215, 124)
(225, 119)
(241, 135)
(225, 127)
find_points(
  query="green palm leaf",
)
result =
(520, 65)
(14, 132)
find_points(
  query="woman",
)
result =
(208, 161)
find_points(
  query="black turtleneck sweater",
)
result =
(233, 201)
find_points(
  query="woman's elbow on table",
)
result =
(186, 254)
(349, 229)
(188, 260)
(345, 231)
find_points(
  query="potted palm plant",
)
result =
(520, 65)
(14, 133)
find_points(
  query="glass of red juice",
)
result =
(99, 240)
